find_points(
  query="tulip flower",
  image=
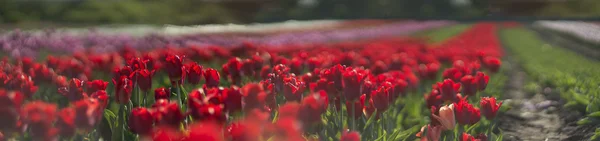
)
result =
(123, 88)
(312, 107)
(168, 113)
(434, 99)
(489, 107)
(66, 122)
(453, 73)
(96, 85)
(482, 80)
(140, 121)
(101, 96)
(137, 63)
(212, 77)
(433, 133)
(204, 132)
(174, 67)
(493, 64)
(446, 117)
(465, 113)
(10, 107)
(352, 82)
(350, 136)
(40, 116)
(194, 73)
(88, 112)
(469, 85)
(162, 93)
(429, 71)
(293, 89)
(448, 90)
(467, 137)
(381, 98)
(74, 91)
(144, 79)
(233, 99)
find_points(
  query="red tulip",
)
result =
(96, 85)
(312, 107)
(433, 133)
(448, 90)
(168, 113)
(246, 130)
(297, 65)
(123, 88)
(39, 118)
(429, 71)
(482, 80)
(489, 107)
(467, 137)
(453, 73)
(493, 64)
(254, 96)
(358, 107)
(162, 93)
(293, 89)
(10, 105)
(465, 113)
(66, 122)
(140, 121)
(204, 132)
(74, 91)
(209, 112)
(194, 73)
(167, 134)
(144, 79)
(101, 96)
(350, 136)
(212, 77)
(323, 84)
(233, 99)
(352, 82)
(88, 112)
(380, 98)
(469, 85)
(174, 67)
(137, 63)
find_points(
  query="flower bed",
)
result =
(349, 91)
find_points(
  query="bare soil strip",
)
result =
(536, 116)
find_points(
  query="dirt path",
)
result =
(536, 116)
(532, 117)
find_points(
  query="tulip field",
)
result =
(321, 81)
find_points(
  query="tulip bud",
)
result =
(448, 89)
(465, 113)
(144, 79)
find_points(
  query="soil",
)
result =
(537, 116)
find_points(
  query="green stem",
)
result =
(353, 126)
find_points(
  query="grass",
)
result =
(440, 35)
(574, 76)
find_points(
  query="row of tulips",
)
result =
(450, 100)
(26, 44)
(365, 90)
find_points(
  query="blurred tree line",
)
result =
(187, 12)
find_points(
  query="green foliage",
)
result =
(444, 33)
(574, 76)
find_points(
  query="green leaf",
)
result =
(594, 115)
(110, 117)
(584, 121)
(371, 119)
